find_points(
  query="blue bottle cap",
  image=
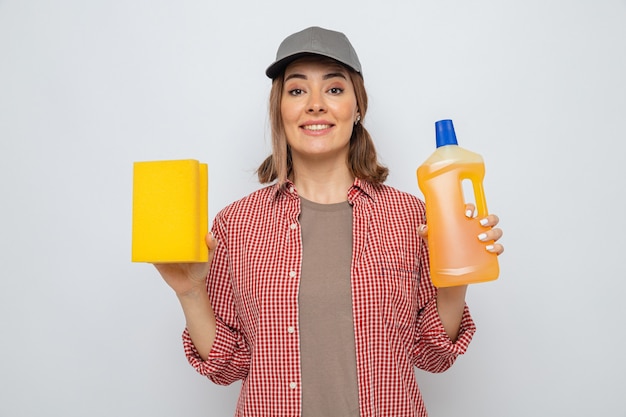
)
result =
(444, 130)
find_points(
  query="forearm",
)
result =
(200, 320)
(450, 306)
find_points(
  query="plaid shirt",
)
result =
(253, 286)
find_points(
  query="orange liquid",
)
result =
(457, 257)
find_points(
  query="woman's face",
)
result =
(318, 108)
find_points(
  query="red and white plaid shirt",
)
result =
(253, 286)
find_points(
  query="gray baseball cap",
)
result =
(315, 41)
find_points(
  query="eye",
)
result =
(335, 90)
(296, 92)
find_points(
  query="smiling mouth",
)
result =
(316, 127)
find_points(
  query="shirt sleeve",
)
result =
(434, 351)
(229, 358)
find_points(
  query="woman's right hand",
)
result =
(185, 278)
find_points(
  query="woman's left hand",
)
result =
(491, 233)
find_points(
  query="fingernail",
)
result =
(483, 222)
(482, 237)
(489, 248)
(422, 228)
(468, 213)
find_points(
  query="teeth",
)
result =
(316, 127)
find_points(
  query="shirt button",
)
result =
(292, 274)
(293, 226)
(293, 385)
(291, 329)
(291, 190)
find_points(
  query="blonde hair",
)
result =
(362, 157)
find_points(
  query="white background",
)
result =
(88, 87)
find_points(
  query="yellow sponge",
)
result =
(170, 211)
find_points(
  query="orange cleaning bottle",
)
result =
(457, 256)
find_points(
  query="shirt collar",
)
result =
(360, 188)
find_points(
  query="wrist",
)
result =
(193, 292)
(452, 294)
(451, 299)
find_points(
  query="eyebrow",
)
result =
(325, 77)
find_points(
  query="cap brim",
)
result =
(279, 66)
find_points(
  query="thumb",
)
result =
(211, 243)
(422, 231)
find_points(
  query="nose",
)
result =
(316, 103)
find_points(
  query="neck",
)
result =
(323, 186)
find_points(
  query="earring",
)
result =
(358, 119)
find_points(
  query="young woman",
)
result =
(318, 294)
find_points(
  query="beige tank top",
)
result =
(328, 358)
